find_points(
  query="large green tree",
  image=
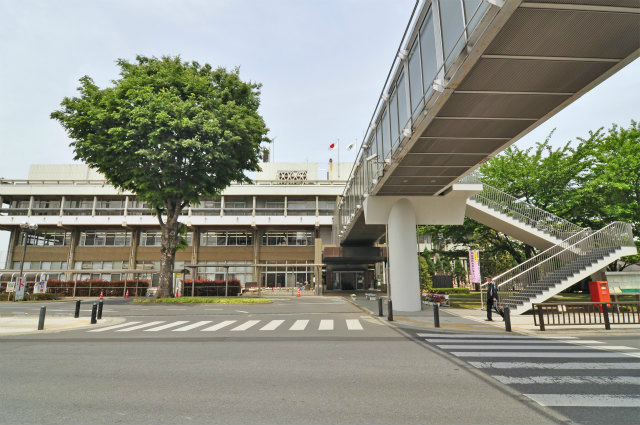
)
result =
(170, 131)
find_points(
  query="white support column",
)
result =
(403, 259)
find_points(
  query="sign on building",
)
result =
(474, 266)
(40, 288)
(11, 287)
(19, 290)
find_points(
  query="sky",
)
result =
(322, 65)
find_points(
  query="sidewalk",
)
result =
(474, 320)
(14, 324)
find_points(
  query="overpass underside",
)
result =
(470, 79)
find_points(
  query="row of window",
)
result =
(209, 238)
(233, 205)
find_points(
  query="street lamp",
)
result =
(28, 229)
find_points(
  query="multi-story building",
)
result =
(271, 232)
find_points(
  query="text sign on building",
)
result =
(474, 266)
(40, 288)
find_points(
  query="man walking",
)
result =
(492, 297)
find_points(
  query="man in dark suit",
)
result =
(492, 297)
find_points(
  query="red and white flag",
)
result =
(332, 145)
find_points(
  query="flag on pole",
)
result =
(350, 146)
(332, 145)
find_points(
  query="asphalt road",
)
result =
(298, 360)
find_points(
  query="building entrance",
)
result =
(348, 280)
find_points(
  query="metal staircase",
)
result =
(571, 252)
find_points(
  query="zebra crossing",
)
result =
(235, 325)
(559, 372)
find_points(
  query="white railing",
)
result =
(522, 211)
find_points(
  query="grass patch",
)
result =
(204, 300)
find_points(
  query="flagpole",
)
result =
(338, 146)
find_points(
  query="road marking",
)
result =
(604, 380)
(499, 341)
(192, 326)
(326, 325)
(299, 325)
(108, 328)
(272, 325)
(515, 347)
(218, 326)
(613, 347)
(176, 309)
(241, 311)
(585, 400)
(482, 336)
(588, 355)
(144, 325)
(213, 309)
(354, 325)
(584, 341)
(246, 325)
(556, 366)
(167, 326)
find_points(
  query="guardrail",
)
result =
(576, 313)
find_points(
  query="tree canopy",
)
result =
(170, 131)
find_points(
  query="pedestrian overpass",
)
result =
(470, 78)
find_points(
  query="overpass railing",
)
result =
(433, 48)
(521, 211)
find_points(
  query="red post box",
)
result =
(599, 291)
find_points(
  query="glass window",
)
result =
(301, 238)
(386, 139)
(452, 28)
(379, 143)
(91, 238)
(403, 116)
(473, 11)
(226, 238)
(428, 48)
(393, 108)
(415, 80)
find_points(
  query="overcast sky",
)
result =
(322, 65)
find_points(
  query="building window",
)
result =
(155, 238)
(105, 238)
(287, 239)
(226, 238)
(53, 238)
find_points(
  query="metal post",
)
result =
(605, 312)
(436, 315)
(77, 313)
(43, 312)
(380, 306)
(100, 310)
(24, 250)
(94, 309)
(390, 311)
(226, 281)
(507, 318)
(541, 317)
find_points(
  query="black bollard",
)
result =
(436, 315)
(390, 311)
(77, 313)
(380, 306)
(93, 313)
(100, 310)
(507, 318)
(43, 312)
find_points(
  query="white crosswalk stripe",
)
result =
(246, 325)
(326, 325)
(143, 325)
(354, 325)
(110, 328)
(543, 362)
(272, 325)
(192, 326)
(219, 326)
(167, 326)
(299, 325)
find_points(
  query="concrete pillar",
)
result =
(403, 258)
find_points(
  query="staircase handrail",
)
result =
(616, 234)
(565, 244)
(523, 211)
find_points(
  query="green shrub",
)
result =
(450, 291)
(41, 297)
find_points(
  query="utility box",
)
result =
(599, 291)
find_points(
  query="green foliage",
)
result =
(448, 291)
(170, 131)
(425, 275)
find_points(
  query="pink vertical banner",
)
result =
(474, 266)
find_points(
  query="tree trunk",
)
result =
(168, 252)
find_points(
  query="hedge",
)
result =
(209, 288)
(448, 291)
(92, 287)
